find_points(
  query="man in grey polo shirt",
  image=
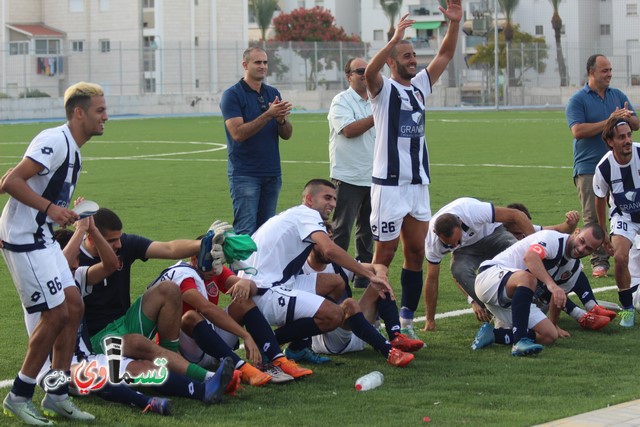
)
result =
(351, 141)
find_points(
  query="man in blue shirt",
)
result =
(255, 118)
(587, 112)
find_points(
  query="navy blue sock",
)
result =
(262, 333)
(411, 282)
(520, 308)
(569, 306)
(300, 344)
(22, 388)
(181, 386)
(582, 288)
(211, 343)
(60, 389)
(626, 298)
(388, 311)
(505, 336)
(121, 393)
(364, 330)
(296, 330)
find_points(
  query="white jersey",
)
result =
(622, 182)
(178, 273)
(401, 155)
(56, 150)
(283, 243)
(551, 245)
(329, 268)
(478, 221)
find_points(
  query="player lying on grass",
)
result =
(357, 329)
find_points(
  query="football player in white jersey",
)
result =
(618, 175)
(400, 207)
(472, 231)
(284, 242)
(507, 284)
(41, 186)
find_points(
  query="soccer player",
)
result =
(41, 187)
(472, 231)
(284, 242)
(207, 331)
(356, 330)
(507, 284)
(618, 175)
(108, 307)
(400, 184)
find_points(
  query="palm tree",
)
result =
(508, 6)
(263, 10)
(391, 9)
(556, 23)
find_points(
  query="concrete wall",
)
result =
(203, 103)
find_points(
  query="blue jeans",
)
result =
(255, 199)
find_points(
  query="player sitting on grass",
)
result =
(596, 317)
(209, 332)
(357, 329)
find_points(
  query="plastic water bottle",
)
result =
(370, 381)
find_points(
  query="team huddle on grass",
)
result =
(289, 282)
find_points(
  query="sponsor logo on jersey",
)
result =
(212, 290)
(35, 296)
(46, 150)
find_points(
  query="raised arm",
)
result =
(450, 41)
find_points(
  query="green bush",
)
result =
(4, 95)
(34, 93)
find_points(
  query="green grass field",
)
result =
(166, 178)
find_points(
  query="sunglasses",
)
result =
(358, 71)
(263, 106)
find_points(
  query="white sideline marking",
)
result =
(454, 313)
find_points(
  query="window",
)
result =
(77, 46)
(539, 30)
(196, 41)
(605, 30)
(105, 46)
(47, 47)
(148, 3)
(150, 85)
(197, 83)
(632, 9)
(378, 35)
(562, 29)
(18, 48)
(76, 6)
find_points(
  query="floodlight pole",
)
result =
(495, 49)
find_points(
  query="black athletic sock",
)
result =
(262, 333)
(505, 336)
(22, 388)
(582, 288)
(520, 309)
(121, 393)
(411, 282)
(296, 330)
(626, 298)
(569, 306)
(388, 311)
(181, 386)
(364, 330)
(211, 343)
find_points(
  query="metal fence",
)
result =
(181, 68)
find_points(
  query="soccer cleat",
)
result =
(65, 408)
(215, 386)
(601, 311)
(305, 355)
(290, 367)
(526, 347)
(26, 411)
(278, 376)
(234, 384)
(593, 322)
(627, 317)
(599, 271)
(484, 337)
(410, 332)
(399, 358)
(254, 376)
(158, 405)
(404, 343)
